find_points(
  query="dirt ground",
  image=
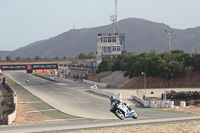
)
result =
(182, 127)
(23, 115)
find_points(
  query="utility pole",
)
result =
(143, 73)
(168, 33)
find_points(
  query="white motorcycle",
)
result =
(123, 110)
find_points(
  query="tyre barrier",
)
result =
(189, 95)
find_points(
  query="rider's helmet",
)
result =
(119, 100)
(112, 98)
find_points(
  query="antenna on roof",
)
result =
(114, 18)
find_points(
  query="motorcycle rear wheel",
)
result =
(119, 114)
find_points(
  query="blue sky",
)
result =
(25, 21)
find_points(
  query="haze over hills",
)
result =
(140, 36)
(3, 54)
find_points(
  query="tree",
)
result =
(133, 53)
(8, 58)
(65, 57)
(105, 65)
(82, 56)
(18, 58)
(28, 59)
(195, 61)
(37, 58)
(91, 55)
(56, 58)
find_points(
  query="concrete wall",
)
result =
(54, 78)
(96, 83)
(12, 116)
(103, 92)
(139, 99)
(116, 79)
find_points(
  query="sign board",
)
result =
(44, 66)
(29, 67)
(13, 67)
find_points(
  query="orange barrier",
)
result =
(44, 71)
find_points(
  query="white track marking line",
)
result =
(37, 111)
(30, 102)
(65, 119)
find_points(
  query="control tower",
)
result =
(111, 44)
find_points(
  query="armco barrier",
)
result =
(96, 83)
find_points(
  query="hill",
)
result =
(140, 36)
(3, 54)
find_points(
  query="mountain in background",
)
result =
(3, 54)
(140, 36)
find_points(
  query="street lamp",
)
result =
(143, 73)
(168, 33)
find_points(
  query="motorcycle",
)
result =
(123, 110)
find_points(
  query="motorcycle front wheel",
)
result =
(135, 116)
(119, 114)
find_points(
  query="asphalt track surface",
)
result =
(71, 99)
(65, 97)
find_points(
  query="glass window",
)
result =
(109, 39)
(118, 48)
(114, 48)
(113, 39)
(105, 39)
(109, 49)
(105, 49)
(101, 39)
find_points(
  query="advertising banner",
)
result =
(13, 67)
(44, 66)
(29, 67)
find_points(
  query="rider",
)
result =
(114, 101)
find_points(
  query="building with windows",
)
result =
(109, 44)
